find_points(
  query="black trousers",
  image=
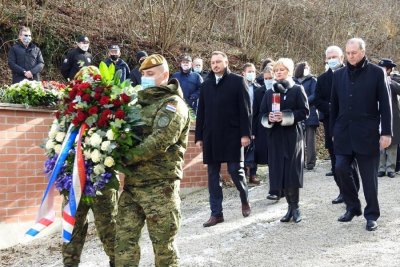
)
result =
(236, 170)
(368, 167)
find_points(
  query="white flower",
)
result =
(110, 135)
(105, 146)
(95, 140)
(99, 169)
(60, 136)
(57, 149)
(52, 134)
(53, 130)
(91, 131)
(109, 162)
(87, 154)
(50, 144)
(95, 156)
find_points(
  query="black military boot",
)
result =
(289, 213)
(295, 205)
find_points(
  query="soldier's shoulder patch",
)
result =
(163, 121)
(171, 107)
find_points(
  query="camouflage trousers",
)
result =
(157, 204)
(104, 209)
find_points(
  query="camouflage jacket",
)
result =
(165, 135)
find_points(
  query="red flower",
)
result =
(98, 89)
(75, 122)
(57, 114)
(120, 114)
(72, 93)
(104, 100)
(97, 96)
(102, 122)
(86, 97)
(80, 93)
(97, 77)
(84, 85)
(125, 98)
(117, 103)
(71, 107)
(105, 114)
(81, 116)
(93, 110)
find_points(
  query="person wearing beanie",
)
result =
(135, 74)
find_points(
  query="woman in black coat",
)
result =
(285, 135)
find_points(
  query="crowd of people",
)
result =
(243, 120)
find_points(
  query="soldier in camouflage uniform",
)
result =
(151, 194)
(104, 209)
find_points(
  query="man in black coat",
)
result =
(76, 58)
(114, 57)
(135, 75)
(361, 124)
(25, 58)
(334, 58)
(223, 129)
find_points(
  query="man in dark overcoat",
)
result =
(334, 58)
(223, 129)
(361, 124)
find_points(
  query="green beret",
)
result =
(152, 61)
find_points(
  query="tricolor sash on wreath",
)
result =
(46, 213)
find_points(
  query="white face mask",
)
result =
(333, 63)
(306, 72)
(268, 84)
(197, 69)
(83, 47)
(250, 76)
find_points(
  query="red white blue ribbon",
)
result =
(78, 184)
(46, 212)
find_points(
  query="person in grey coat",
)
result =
(25, 58)
(387, 162)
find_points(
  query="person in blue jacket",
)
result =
(189, 80)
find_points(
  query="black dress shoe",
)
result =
(246, 210)
(371, 225)
(381, 174)
(273, 197)
(338, 200)
(329, 174)
(348, 216)
(391, 174)
(213, 221)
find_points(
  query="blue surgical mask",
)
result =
(268, 84)
(148, 82)
(333, 63)
(250, 76)
(197, 69)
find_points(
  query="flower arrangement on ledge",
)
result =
(108, 108)
(32, 93)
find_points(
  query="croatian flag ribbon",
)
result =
(46, 213)
(75, 193)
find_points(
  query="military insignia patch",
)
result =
(163, 121)
(171, 107)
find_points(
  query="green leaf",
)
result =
(113, 184)
(117, 77)
(104, 72)
(111, 72)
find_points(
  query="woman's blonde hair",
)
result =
(286, 63)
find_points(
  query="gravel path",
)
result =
(261, 239)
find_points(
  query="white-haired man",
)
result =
(361, 124)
